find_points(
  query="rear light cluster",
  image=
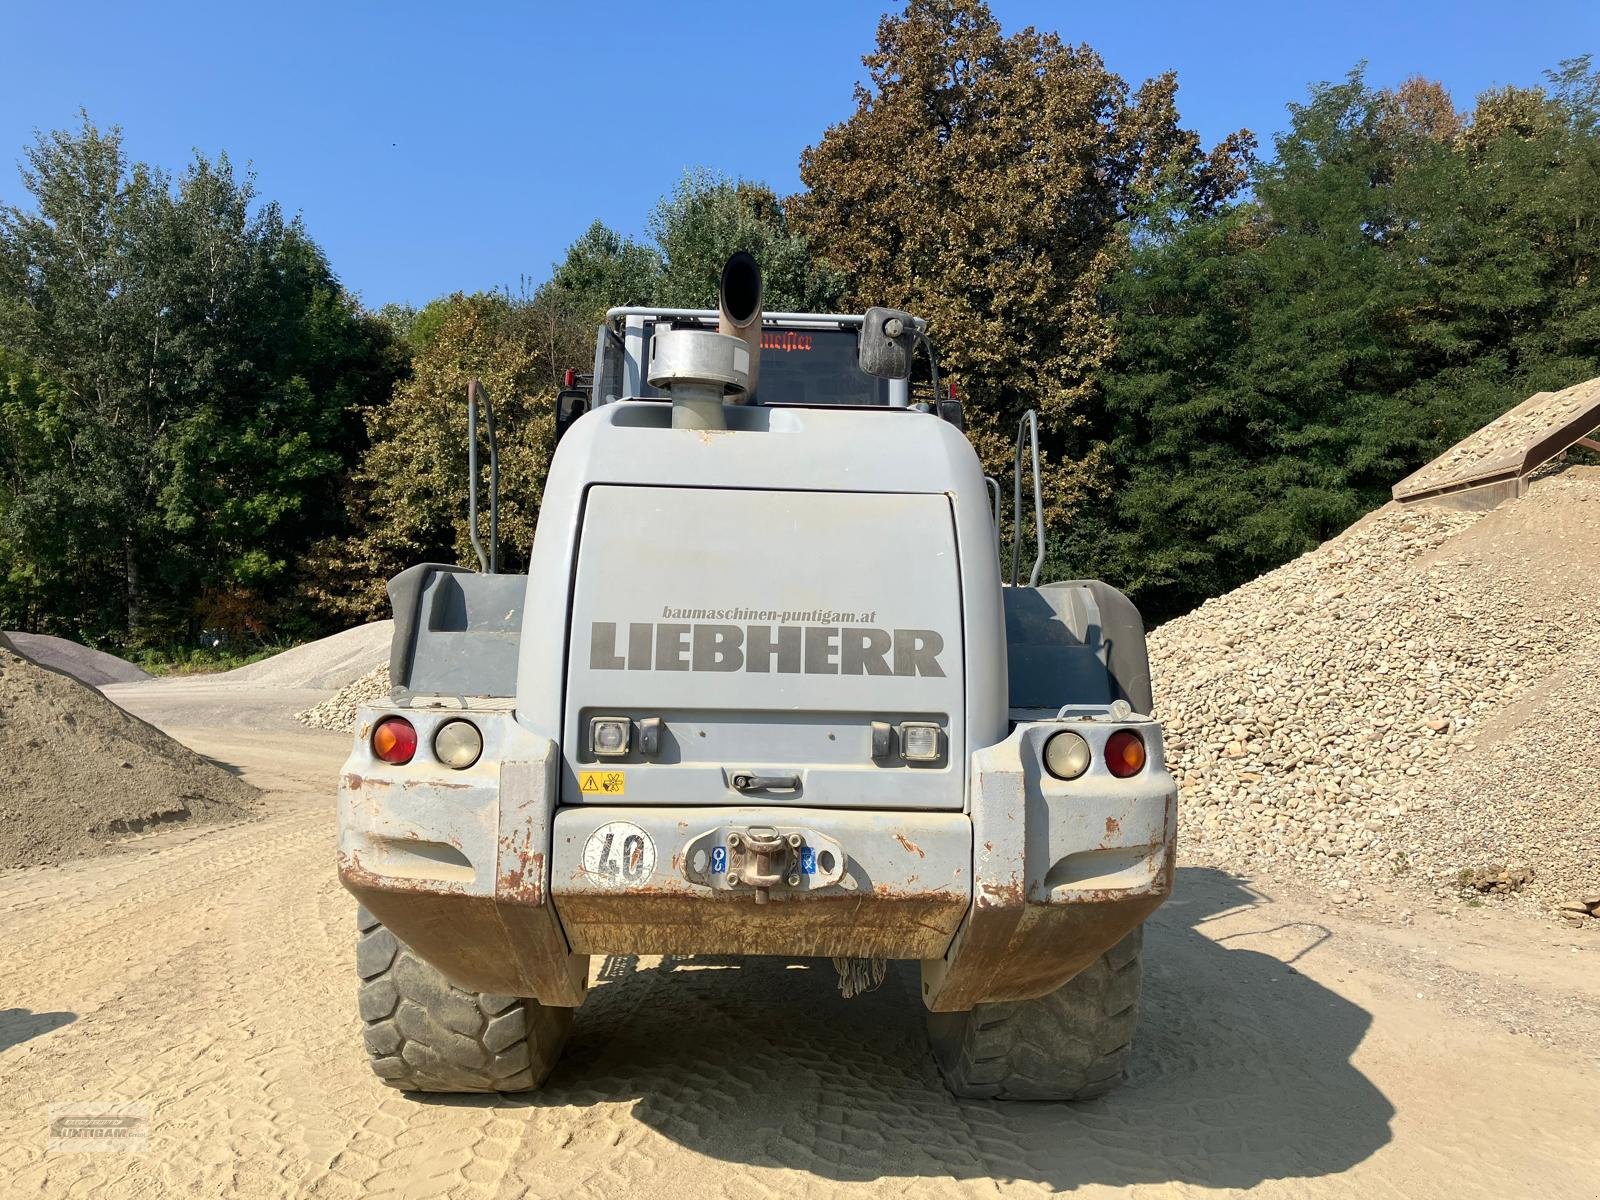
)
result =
(394, 740)
(1067, 754)
(456, 743)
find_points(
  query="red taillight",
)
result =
(569, 378)
(1124, 753)
(394, 740)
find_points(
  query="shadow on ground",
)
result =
(17, 1025)
(1242, 1070)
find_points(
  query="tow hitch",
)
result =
(763, 857)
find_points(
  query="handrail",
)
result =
(849, 320)
(994, 517)
(475, 389)
(1031, 420)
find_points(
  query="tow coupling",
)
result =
(762, 857)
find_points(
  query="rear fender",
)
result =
(455, 862)
(1062, 869)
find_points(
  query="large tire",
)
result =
(1069, 1045)
(425, 1034)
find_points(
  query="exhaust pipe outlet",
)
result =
(739, 311)
(702, 370)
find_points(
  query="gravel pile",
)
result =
(330, 662)
(338, 712)
(77, 772)
(1409, 705)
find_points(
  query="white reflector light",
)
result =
(608, 736)
(919, 742)
(1066, 755)
(457, 744)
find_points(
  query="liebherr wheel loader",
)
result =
(763, 691)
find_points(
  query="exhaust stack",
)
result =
(739, 311)
(702, 369)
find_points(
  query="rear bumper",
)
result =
(484, 875)
(905, 887)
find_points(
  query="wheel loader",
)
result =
(767, 688)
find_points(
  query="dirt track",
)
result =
(209, 973)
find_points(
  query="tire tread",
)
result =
(425, 1034)
(1072, 1044)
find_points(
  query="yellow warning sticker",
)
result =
(601, 783)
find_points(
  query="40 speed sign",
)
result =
(619, 854)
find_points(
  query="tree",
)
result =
(983, 182)
(407, 496)
(603, 269)
(1403, 274)
(707, 218)
(208, 370)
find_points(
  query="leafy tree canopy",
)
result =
(983, 182)
(1403, 274)
(198, 370)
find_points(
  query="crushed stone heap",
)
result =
(331, 662)
(338, 712)
(1406, 705)
(76, 771)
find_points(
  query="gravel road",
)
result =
(1285, 1047)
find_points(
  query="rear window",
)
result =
(813, 367)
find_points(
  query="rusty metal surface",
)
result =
(1062, 870)
(1510, 446)
(825, 926)
(485, 877)
(455, 862)
(901, 890)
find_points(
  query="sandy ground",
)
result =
(1284, 1049)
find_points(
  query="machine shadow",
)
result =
(1242, 1070)
(17, 1025)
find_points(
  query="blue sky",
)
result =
(435, 148)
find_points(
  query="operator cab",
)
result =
(808, 360)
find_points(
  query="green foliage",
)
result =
(602, 270)
(202, 372)
(407, 496)
(1403, 275)
(184, 658)
(200, 429)
(982, 182)
(707, 219)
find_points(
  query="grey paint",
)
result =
(428, 824)
(891, 862)
(405, 599)
(861, 510)
(875, 845)
(860, 452)
(1076, 642)
(1043, 843)
(455, 632)
(632, 327)
(626, 313)
(722, 617)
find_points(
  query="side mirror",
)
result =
(888, 341)
(571, 403)
(951, 410)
